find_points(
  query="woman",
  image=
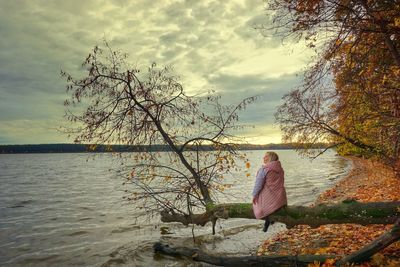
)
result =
(269, 193)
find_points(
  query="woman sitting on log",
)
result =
(269, 193)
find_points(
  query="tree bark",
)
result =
(345, 212)
(219, 260)
(361, 255)
(378, 244)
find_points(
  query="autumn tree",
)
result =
(351, 96)
(368, 89)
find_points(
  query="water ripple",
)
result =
(61, 210)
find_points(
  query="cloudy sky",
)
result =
(211, 44)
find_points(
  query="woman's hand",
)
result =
(254, 200)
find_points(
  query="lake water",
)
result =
(67, 210)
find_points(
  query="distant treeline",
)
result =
(82, 148)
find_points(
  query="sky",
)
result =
(211, 44)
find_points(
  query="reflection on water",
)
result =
(62, 210)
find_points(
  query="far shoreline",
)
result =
(94, 148)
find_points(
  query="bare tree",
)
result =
(117, 103)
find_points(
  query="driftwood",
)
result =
(361, 255)
(377, 245)
(198, 255)
(345, 212)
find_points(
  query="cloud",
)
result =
(30, 132)
(268, 90)
(211, 44)
(261, 134)
(258, 117)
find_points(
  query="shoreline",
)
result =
(330, 195)
(229, 238)
(367, 181)
(309, 241)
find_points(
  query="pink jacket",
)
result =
(273, 194)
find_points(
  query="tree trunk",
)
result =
(378, 244)
(219, 260)
(345, 212)
(300, 260)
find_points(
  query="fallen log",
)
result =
(361, 255)
(219, 260)
(378, 244)
(345, 212)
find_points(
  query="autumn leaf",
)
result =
(397, 22)
(329, 263)
(378, 259)
(314, 264)
(321, 251)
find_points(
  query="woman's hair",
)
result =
(272, 156)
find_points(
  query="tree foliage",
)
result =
(351, 96)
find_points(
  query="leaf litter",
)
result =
(368, 181)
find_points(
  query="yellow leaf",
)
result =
(314, 264)
(321, 251)
(330, 262)
(397, 22)
(378, 259)
(334, 244)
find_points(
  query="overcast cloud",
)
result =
(211, 44)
